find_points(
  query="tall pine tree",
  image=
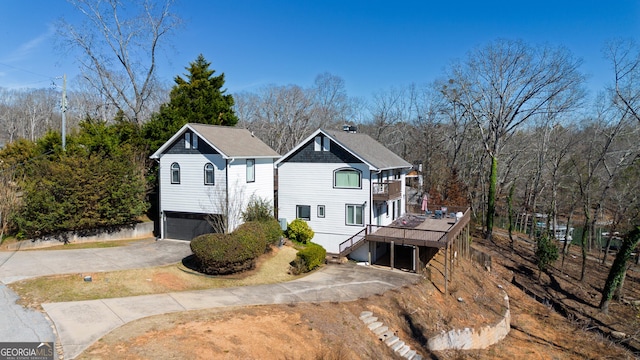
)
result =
(196, 98)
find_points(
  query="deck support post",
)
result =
(392, 255)
(445, 269)
(369, 258)
(416, 258)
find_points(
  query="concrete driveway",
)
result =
(80, 323)
(18, 324)
(19, 265)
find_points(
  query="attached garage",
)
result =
(185, 226)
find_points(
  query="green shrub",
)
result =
(259, 209)
(272, 231)
(298, 230)
(219, 254)
(309, 258)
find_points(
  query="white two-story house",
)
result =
(339, 181)
(207, 176)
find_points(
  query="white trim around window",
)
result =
(175, 173)
(321, 210)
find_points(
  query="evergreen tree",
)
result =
(196, 98)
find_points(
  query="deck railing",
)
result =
(386, 190)
(348, 246)
(406, 233)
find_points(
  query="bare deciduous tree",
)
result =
(506, 83)
(118, 46)
(281, 116)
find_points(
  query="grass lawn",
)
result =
(271, 268)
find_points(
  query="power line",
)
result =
(28, 71)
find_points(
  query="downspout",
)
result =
(227, 190)
(160, 212)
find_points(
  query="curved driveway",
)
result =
(80, 323)
(18, 324)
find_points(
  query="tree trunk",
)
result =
(567, 242)
(583, 244)
(619, 267)
(619, 293)
(491, 201)
(606, 248)
(510, 213)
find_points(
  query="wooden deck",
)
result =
(419, 232)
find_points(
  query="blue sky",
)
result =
(373, 45)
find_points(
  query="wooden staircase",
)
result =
(351, 244)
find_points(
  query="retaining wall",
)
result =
(135, 231)
(468, 338)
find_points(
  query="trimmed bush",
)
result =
(309, 258)
(298, 230)
(220, 254)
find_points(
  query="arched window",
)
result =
(347, 178)
(208, 174)
(175, 173)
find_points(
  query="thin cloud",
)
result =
(27, 48)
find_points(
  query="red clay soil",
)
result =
(333, 330)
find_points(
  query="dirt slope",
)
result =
(333, 330)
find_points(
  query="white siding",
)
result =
(191, 195)
(241, 191)
(312, 184)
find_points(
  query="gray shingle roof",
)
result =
(368, 149)
(234, 142)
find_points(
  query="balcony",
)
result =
(387, 190)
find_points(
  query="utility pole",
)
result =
(64, 112)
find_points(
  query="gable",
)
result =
(308, 154)
(178, 146)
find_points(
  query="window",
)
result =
(320, 211)
(208, 174)
(321, 143)
(347, 178)
(303, 212)
(195, 141)
(251, 170)
(187, 140)
(325, 143)
(355, 215)
(175, 173)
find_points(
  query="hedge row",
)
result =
(220, 254)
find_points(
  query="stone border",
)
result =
(469, 338)
(136, 231)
